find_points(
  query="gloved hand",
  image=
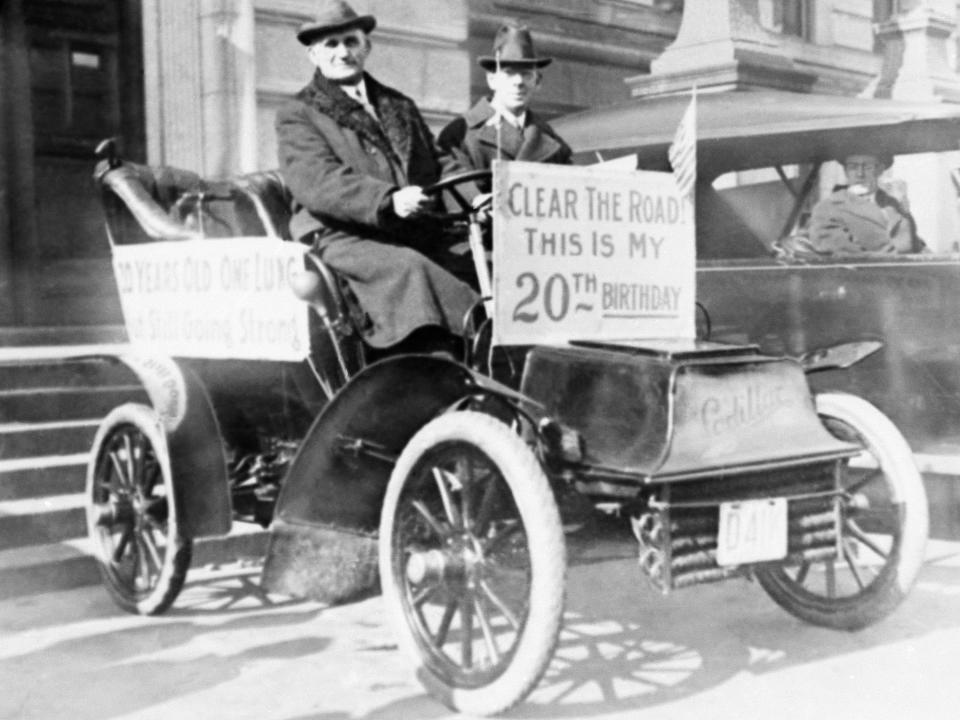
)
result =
(410, 201)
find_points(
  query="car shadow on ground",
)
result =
(98, 675)
(234, 592)
(626, 647)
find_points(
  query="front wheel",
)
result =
(131, 514)
(472, 562)
(883, 527)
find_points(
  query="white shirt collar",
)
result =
(518, 121)
(359, 93)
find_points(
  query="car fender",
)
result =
(323, 537)
(197, 461)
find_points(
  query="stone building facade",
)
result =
(195, 84)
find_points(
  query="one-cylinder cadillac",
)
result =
(442, 480)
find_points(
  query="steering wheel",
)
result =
(450, 185)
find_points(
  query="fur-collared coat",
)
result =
(472, 139)
(846, 224)
(342, 167)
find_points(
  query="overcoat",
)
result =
(472, 139)
(846, 224)
(342, 167)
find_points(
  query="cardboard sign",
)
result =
(594, 253)
(224, 298)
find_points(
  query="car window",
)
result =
(743, 215)
(765, 213)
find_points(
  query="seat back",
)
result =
(271, 198)
(337, 351)
(145, 202)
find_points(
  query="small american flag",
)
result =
(683, 150)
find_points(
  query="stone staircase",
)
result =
(49, 413)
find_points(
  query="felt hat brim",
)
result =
(490, 63)
(310, 31)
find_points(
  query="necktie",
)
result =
(354, 92)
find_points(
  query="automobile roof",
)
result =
(741, 130)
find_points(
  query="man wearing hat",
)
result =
(860, 217)
(356, 155)
(503, 126)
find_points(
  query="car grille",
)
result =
(678, 530)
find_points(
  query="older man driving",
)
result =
(356, 155)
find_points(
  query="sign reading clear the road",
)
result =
(608, 257)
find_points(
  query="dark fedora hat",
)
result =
(334, 16)
(514, 46)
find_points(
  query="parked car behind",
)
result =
(760, 156)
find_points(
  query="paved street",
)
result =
(713, 652)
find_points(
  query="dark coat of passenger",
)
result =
(472, 139)
(342, 167)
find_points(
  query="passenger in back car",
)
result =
(861, 217)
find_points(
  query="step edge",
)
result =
(43, 462)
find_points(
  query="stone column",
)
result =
(915, 59)
(200, 74)
(916, 68)
(173, 84)
(228, 86)
(721, 46)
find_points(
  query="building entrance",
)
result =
(75, 76)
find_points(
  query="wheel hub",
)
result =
(457, 562)
(119, 511)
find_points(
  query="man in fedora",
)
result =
(356, 155)
(860, 217)
(503, 126)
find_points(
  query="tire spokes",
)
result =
(132, 515)
(464, 603)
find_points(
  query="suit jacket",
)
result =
(472, 139)
(845, 224)
(342, 166)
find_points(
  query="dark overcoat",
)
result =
(846, 224)
(342, 167)
(472, 139)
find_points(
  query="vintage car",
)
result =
(757, 182)
(432, 479)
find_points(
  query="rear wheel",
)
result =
(131, 516)
(883, 527)
(472, 562)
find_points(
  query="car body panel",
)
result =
(793, 304)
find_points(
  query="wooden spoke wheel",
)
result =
(883, 527)
(131, 516)
(472, 562)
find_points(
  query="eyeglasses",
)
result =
(865, 166)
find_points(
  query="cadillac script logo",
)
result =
(749, 404)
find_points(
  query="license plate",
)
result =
(752, 531)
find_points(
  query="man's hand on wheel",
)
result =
(410, 201)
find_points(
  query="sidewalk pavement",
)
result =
(229, 651)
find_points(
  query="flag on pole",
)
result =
(683, 150)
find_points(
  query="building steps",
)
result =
(49, 414)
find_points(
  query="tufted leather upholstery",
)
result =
(272, 199)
